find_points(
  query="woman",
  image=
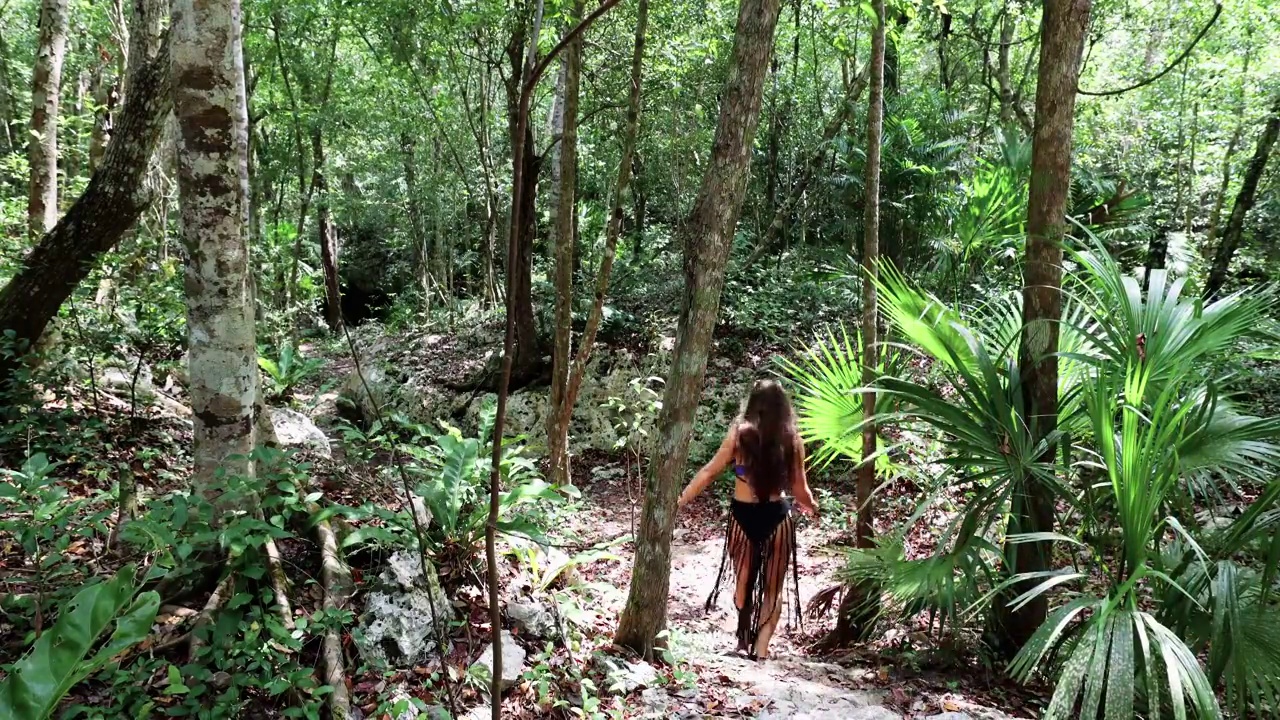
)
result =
(768, 459)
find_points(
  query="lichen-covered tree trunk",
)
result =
(327, 232)
(42, 146)
(1232, 234)
(213, 185)
(707, 239)
(1061, 45)
(565, 209)
(112, 202)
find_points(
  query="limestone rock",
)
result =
(532, 618)
(398, 626)
(295, 430)
(360, 404)
(949, 716)
(625, 678)
(512, 659)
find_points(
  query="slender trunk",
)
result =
(327, 233)
(855, 615)
(213, 185)
(810, 170)
(1216, 215)
(558, 433)
(565, 209)
(417, 217)
(1062, 43)
(870, 258)
(641, 209)
(106, 96)
(520, 264)
(42, 148)
(525, 87)
(706, 240)
(110, 205)
(1234, 231)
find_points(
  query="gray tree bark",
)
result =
(42, 147)
(213, 184)
(565, 121)
(707, 238)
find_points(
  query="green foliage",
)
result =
(37, 512)
(457, 491)
(286, 372)
(61, 656)
(828, 383)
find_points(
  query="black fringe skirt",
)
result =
(757, 527)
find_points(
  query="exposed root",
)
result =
(279, 583)
(336, 580)
(221, 594)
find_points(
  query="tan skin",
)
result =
(723, 459)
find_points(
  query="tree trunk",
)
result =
(7, 129)
(565, 209)
(1062, 42)
(1244, 202)
(707, 240)
(328, 234)
(520, 266)
(641, 210)
(417, 217)
(110, 205)
(856, 613)
(213, 186)
(810, 170)
(42, 148)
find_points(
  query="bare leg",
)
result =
(774, 577)
(740, 547)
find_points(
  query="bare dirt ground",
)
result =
(871, 683)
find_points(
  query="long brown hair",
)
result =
(767, 439)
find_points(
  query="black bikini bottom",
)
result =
(769, 534)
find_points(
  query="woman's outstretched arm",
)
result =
(800, 487)
(712, 469)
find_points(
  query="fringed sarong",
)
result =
(756, 526)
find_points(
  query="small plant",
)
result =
(456, 492)
(44, 521)
(288, 371)
(60, 657)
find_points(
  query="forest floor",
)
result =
(907, 673)
(898, 676)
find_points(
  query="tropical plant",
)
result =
(456, 492)
(1141, 397)
(60, 657)
(827, 377)
(288, 371)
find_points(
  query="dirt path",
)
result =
(793, 684)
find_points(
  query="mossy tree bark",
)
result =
(707, 238)
(115, 197)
